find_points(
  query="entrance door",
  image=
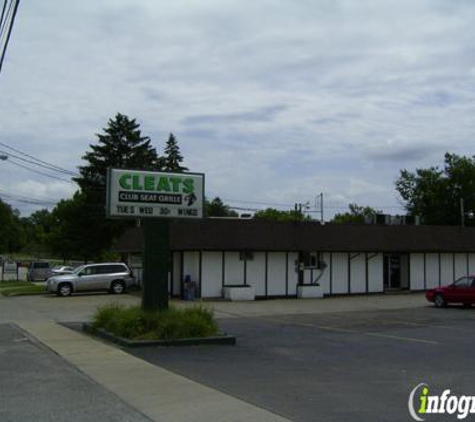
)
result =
(396, 272)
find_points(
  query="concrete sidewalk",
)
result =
(155, 392)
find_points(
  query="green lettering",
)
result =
(149, 183)
(188, 186)
(136, 182)
(176, 181)
(163, 184)
(423, 399)
(124, 181)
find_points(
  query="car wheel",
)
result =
(64, 289)
(439, 301)
(117, 287)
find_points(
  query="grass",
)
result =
(133, 323)
(20, 288)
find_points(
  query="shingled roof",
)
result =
(258, 235)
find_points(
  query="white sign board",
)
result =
(142, 194)
(10, 267)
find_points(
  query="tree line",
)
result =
(77, 228)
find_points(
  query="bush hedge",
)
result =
(133, 323)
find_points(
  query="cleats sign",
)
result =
(138, 194)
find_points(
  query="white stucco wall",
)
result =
(417, 271)
(211, 274)
(191, 265)
(256, 272)
(234, 269)
(276, 273)
(471, 261)
(293, 277)
(460, 265)
(358, 273)
(340, 273)
(375, 273)
(432, 270)
(325, 278)
(446, 268)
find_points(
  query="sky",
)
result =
(276, 101)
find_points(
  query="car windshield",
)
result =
(78, 269)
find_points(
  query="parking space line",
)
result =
(417, 340)
(351, 331)
(420, 324)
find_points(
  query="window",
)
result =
(89, 271)
(40, 265)
(463, 282)
(111, 269)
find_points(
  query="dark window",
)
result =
(111, 269)
(40, 265)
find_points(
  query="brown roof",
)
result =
(258, 235)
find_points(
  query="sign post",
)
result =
(155, 197)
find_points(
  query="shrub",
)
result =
(136, 324)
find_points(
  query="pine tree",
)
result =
(173, 157)
(87, 230)
(121, 146)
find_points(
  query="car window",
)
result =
(89, 271)
(463, 282)
(473, 282)
(40, 265)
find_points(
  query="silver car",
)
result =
(114, 277)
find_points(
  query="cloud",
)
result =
(274, 99)
(401, 150)
(266, 114)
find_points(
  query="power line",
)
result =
(40, 172)
(29, 197)
(45, 163)
(47, 167)
(27, 201)
(3, 14)
(9, 31)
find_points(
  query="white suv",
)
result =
(114, 277)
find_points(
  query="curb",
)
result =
(224, 340)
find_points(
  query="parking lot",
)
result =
(337, 359)
(346, 366)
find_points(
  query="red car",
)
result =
(460, 291)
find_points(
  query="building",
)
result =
(276, 257)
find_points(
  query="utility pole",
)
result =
(321, 206)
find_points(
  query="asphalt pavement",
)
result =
(341, 367)
(37, 385)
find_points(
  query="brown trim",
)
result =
(258, 235)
